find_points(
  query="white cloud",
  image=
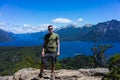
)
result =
(2, 23)
(61, 20)
(80, 20)
(31, 29)
(65, 20)
(26, 28)
(77, 22)
(27, 25)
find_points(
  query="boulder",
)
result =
(63, 74)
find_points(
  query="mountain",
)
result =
(29, 36)
(72, 33)
(5, 36)
(113, 31)
(104, 31)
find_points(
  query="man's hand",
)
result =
(43, 54)
(58, 53)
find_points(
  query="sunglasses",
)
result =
(50, 28)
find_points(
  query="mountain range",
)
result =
(103, 31)
(5, 36)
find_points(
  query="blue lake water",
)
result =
(68, 49)
(77, 48)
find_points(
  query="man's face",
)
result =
(50, 29)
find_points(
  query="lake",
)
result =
(69, 48)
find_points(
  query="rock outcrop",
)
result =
(63, 74)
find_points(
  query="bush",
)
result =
(114, 67)
(77, 62)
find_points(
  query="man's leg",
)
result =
(53, 61)
(44, 62)
(52, 72)
(54, 58)
(53, 68)
(41, 70)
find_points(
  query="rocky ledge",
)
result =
(63, 74)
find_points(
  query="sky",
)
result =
(27, 16)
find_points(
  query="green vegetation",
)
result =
(13, 59)
(114, 67)
(77, 62)
(99, 56)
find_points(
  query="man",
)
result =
(50, 50)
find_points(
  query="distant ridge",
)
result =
(103, 31)
(4, 36)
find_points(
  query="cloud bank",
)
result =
(67, 21)
(21, 29)
(27, 28)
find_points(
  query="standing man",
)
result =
(50, 50)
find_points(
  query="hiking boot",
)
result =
(52, 76)
(40, 75)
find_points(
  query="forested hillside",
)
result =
(15, 58)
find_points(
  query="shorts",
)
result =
(49, 56)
